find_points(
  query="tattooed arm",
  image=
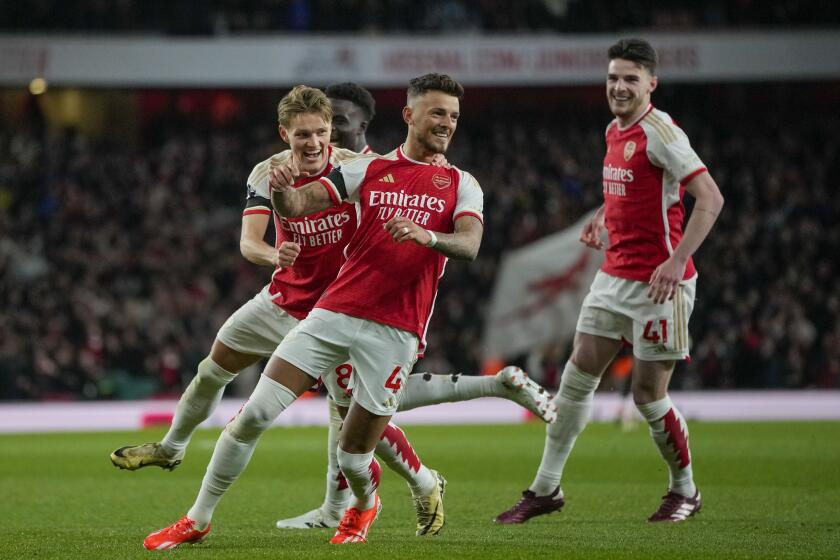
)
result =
(463, 244)
(291, 202)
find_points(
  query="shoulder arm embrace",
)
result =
(291, 202)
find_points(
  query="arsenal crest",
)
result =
(442, 181)
(629, 150)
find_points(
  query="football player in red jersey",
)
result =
(353, 109)
(644, 292)
(412, 217)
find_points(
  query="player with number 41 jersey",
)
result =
(644, 292)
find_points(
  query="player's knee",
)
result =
(355, 439)
(576, 384)
(355, 446)
(645, 393)
(211, 373)
(229, 360)
(348, 460)
(249, 424)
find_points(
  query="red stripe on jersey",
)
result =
(468, 213)
(687, 179)
(250, 211)
(331, 190)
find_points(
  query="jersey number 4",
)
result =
(651, 333)
(394, 383)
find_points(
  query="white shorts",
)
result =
(382, 357)
(257, 327)
(618, 308)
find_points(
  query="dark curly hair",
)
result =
(354, 93)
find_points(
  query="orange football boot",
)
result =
(181, 532)
(354, 524)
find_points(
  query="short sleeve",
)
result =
(470, 198)
(669, 148)
(344, 181)
(258, 191)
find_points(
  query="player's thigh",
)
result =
(601, 326)
(316, 344)
(229, 359)
(382, 356)
(290, 376)
(593, 353)
(255, 329)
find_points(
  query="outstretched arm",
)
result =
(667, 276)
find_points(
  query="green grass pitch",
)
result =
(770, 490)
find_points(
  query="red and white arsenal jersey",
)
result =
(645, 171)
(322, 238)
(396, 283)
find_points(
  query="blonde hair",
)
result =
(301, 100)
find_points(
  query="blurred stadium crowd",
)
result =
(119, 262)
(220, 17)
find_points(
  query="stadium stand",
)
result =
(224, 17)
(119, 260)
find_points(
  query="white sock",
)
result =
(199, 400)
(338, 493)
(362, 472)
(670, 433)
(574, 405)
(236, 445)
(423, 389)
(395, 450)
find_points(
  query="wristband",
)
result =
(433, 241)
